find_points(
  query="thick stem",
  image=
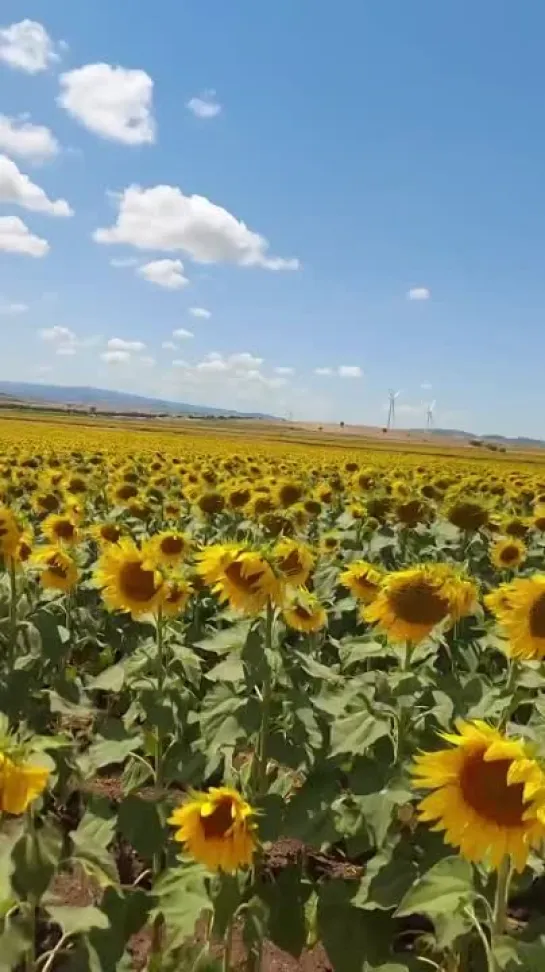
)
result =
(12, 607)
(32, 902)
(510, 688)
(261, 762)
(500, 905)
(159, 858)
(407, 657)
(228, 947)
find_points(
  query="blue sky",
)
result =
(382, 150)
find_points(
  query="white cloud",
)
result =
(323, 371)
(244, 360)
(123, 262)
(13, 308)
(115, 357)
(147, 361)
(27, 46)
(200, 312)
(178, 363)
(349, 371)
(15, 237)
(113, 102)
(168, 346)
(205, 105)
(57, 334)
(119, 344)
(284, 371)
(212, 365)
(22, 138)
(66, 349)
(181, 332)
(163, 218)
(16, 188)
(418, 293)
(165, 273)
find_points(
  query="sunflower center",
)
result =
(419, 604)
(64, 530)
(290, 564)
(537, 617)
(485, 789)
(137, 583)
(58, 569)
(509, 554)
(172, 545)
(243, 582)
(110, 533)
(303, 613)
(219, 822)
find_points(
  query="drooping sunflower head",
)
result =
(212, 560)
(217, 829)
(124, 491)
(21, 783)
(247, 582)
(305, 613)
(60, 529)
(362, 580)
(238, 497)
(129, 580)
(508, 554)
(330, 544)
(412, 602)
(107, 532)
(519, 608)
(47, 502)
(412, 512)
(289, 492)
(489, 795)
(168, 547)
(211, 503)
(293, 560)
(539, 518)
(59, 572)
(515, 526)
(9, 532)
(467, 515)
(176, 594)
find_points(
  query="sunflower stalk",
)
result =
(159, 857)
(500, 907)
(12, 607)
(511, 692)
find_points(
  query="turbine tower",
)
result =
(429, 415)
(392, 395)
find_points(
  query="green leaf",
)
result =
(110, 680)
(77, 921)
(14, 943)
(441, 891)
(36, 857)
(127, 914)
(309, 814)
(91, 840)
(139, 822)
(355, 734)
(353, 939)
(512, 955)
(229, 670)
(286, 897)
(110, 752)
(182, 899)
(221, 642)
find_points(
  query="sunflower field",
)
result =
(268, 705)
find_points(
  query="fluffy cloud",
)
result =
(115, 357)
(181, 332)
(284, 371)
(57, 334)
(13, 308)
(163, 218)
(113, 102)
(168, 346)
(27, 46)
(119, 344)
(22, 138)
(16, 188)
(66, 350)
(205, 105)
(418, 293)
(349, 371)
(15, 237)
(323, 371)
(165, 273)
(200, 312)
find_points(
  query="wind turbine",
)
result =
(392, 395)
(429, 415)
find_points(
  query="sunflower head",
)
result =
(519, 608)
(129, 580)
(9, 532)
(516, 527)
(508, 554)
(288, 493)
(176, 594)
(108, 532)
(60, 529)
(21, 783)
(305, 613)
(217, 829)
(467, 515)
(488, 795)
(362, 580)
(59, 571)
(247, 582)
(293, 560)
(211, 503)
(169, 547)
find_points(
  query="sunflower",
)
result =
(60, 529)
(467, 515)
(176, 594)
(9, 532)
(107, 532)
(23, 551)
(412, 602)
(47, 502)
(293, 560)
(506, 554)
(20, 784)
(130, 581)
(489, 795)
(305, 613)
(516, 527)
(248, 583)
(59, 571)
(217, 829)
(124, 492)
(288, 493)
(362, 580)
(212, 561)
(520, 610)
(330, 544)
(412, 512)
(538, 519)
(168, 547)
(211, 503)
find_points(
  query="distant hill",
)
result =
(520, 440)
(106, 400)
